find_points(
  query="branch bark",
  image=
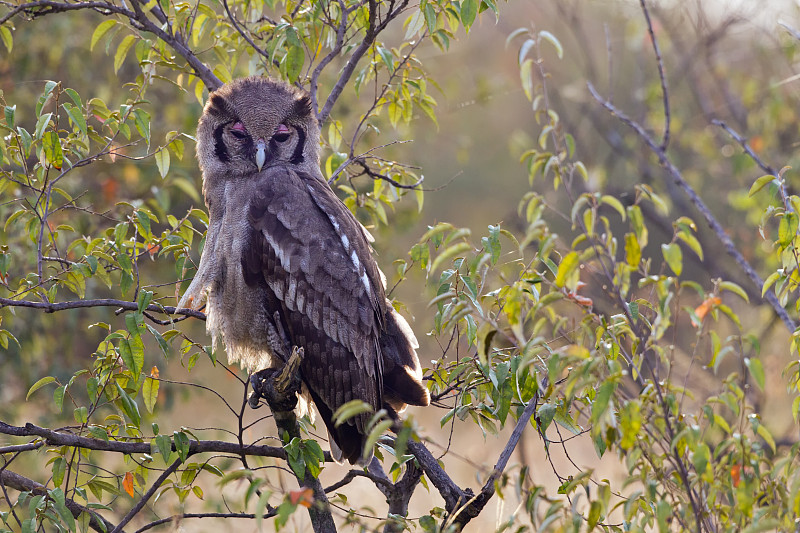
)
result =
(57, 438)
(23, 484)
(49, 307)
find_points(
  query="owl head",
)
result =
(255, 123)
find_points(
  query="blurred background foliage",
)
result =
(729, 61)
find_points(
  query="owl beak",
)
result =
(261, 153)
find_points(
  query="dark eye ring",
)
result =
(283, 133)
(238, 130)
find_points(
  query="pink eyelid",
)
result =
(239, 127)
(283, 128)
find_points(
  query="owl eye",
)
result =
(239, 131)
(282, 134)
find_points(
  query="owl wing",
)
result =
(309, 253)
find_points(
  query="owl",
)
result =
(285, 259)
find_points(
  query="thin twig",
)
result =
(49, 307)
(149, 494)
(661, 75)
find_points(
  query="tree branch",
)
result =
(712, 222)
(138, 20)
(23, 484)
(149, 494)
(470, 511)
(57, 438)
(178, 517)
(49, 307)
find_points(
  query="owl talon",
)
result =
(278, 387)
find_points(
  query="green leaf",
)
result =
(756, 370)
(101, 30)
(41, 125)
(295, 58)
(8, 39)
(349, 410)
(550, 38)
(526, 77)
(76, 117)
(449, 253)
(129, 406)
(633, 253)
(565, 269)
(692, 242)
(386, 57)
(150, 393)
(760, 183)
(39, 384)
(545, 415)
(734, 288)
(52, 149)
(414, 24)
(376, 433)
(182, 444)
(469, 10)
(122, 51)
(616, 204)
(60, 506)
(164, 445)
(59, 469)
(162, 161)
(673, 256)
(9, 111)
(602, 399)
(767, 436)
(141, 119)
(787, 229)
(58, 397)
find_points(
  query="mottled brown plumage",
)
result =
(285, 259)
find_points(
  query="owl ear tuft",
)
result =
(302, 106)
(218, 106)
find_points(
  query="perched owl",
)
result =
(283, 254)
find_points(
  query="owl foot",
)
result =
(278, 386)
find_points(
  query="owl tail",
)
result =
(402, 374)
(346, 441)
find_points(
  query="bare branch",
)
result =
(178, 517)
(661, 75)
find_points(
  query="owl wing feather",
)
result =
(309, 251)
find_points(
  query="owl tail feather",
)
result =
(402, 374)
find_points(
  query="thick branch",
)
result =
(452, 494)
(21, 483)
(279, 387)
